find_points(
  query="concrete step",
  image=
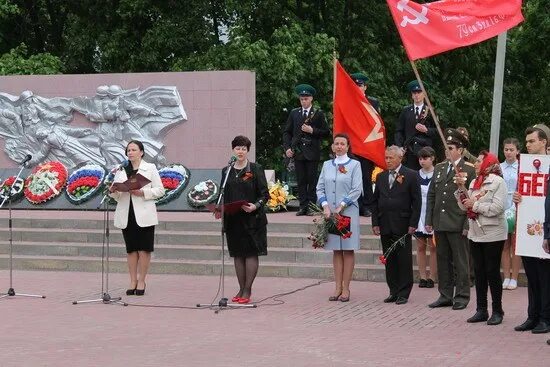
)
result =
(53, 235)
(184, 225)
(193, 267)
(179, 252)
(370, 272)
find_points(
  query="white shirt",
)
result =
(510, 175)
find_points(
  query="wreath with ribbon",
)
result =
(45, 182)
(175, 178)
(203, 193)
(85, 183)
(16, 189)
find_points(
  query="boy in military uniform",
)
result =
(305, 128)
(415, 129)
(367, 166)
(450, 225)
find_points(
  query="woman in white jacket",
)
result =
(136, 214)
(485, 203)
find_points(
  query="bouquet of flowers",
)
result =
(335, 224)
(278, 196)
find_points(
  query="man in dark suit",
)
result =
(451, 225)
(367, 166)
(537, 270)
(415, 128)
(395, 213)
(304, 129)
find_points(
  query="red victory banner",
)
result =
(429, 29)
(354, 115)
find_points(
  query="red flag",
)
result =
(429, 29)
(354, 115)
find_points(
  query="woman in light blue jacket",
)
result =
(338, 189)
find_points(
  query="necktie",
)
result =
(391, 178)
(450, 168)
(417, 112)
(305, 113)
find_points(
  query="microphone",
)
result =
(123, 165)
(232, 160)
(28, 157)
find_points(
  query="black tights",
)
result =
(246, 269)
(486, 257)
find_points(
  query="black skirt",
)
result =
(137, 238)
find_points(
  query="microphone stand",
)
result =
(106, 297)
(11, 291)
(224, 303)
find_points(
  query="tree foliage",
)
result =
(285, 42)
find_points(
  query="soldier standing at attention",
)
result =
(415, 129)
(305, 128)
(367, 166)
(450, 225)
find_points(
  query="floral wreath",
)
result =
(45, 182)
(203, 193)
(16, 191)
(175, 178)
(84, 183)
(108, 181)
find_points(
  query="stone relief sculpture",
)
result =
(41, 126)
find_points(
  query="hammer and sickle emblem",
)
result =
(403, 6)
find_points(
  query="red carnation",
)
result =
(382, 259)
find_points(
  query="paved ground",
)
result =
(305, 330)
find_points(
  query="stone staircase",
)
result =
(189, 246)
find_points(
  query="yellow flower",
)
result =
(375, 173)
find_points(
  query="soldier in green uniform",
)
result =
(450, 224)
(468, 157)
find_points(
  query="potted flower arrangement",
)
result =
(278, 196)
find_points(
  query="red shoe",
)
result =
(235, 299)
(244, 300)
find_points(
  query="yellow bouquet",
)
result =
(278, 196)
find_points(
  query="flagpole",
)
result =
(432, 112)
(334, 60)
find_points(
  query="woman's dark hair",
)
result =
(138, 143)
(483, 152)
(241, 141)
(345, 136)
(426, 152)
(513, 141)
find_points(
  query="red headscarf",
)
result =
(490, 164)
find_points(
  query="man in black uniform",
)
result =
(304, 129)
(415, 128)
(367, 166)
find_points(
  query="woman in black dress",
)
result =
(246, 230)
(136, 214)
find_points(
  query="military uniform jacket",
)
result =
(407, 136)
(305, 146)
(395, 210)
(374, 103)
(442, 210)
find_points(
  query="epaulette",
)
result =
(469, 164)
